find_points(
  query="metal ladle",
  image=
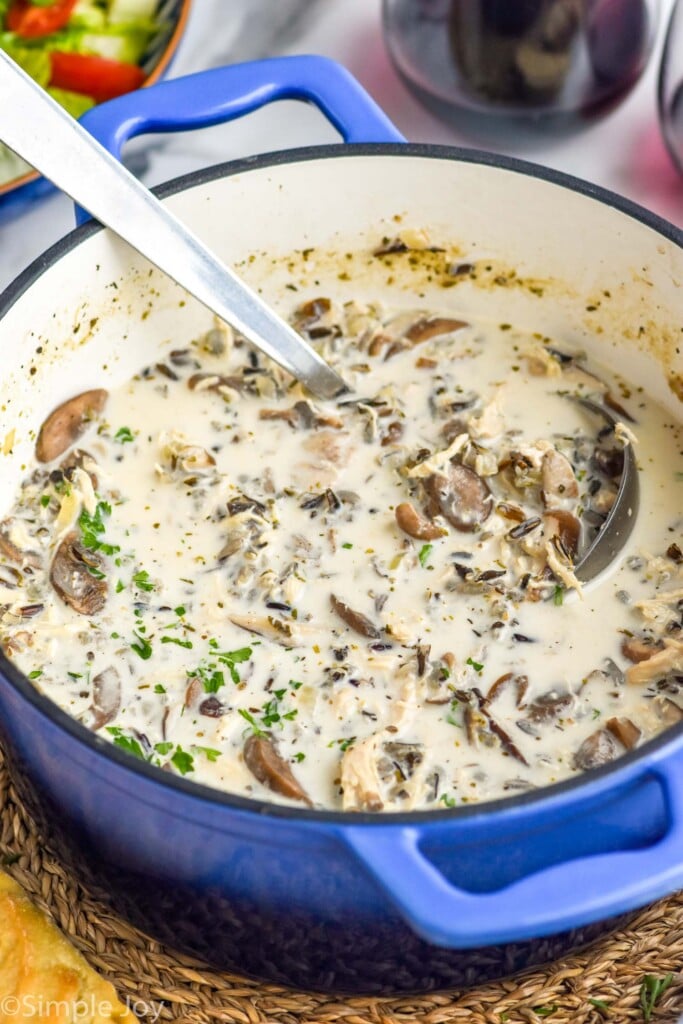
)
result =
(618, 525)
(50, 140)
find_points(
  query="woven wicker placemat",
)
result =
(162, 985)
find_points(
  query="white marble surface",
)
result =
(623, 152)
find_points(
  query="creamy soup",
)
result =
(365, 604)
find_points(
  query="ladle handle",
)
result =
(222, 94)
(49, 139)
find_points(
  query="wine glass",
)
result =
(670, 87)
(497, 65)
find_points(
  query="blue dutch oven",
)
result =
(354, 902)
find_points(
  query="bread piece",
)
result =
(42, 977)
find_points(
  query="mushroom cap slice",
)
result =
(270, 768)
(106, 702)
(71, 577)
(415, 524)
(598, 749)
(563, 525)
(460, 495)
(354, 620)
(67, 423)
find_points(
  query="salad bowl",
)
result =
(85, 55)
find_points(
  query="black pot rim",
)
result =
(597, 779)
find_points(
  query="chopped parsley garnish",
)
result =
(299, 757)
(127, 743)
(209, 672)
(120, 586)
(187, 644)
(45, 500)
(232, 658)
(545, 1011)
(92, 528)
(476, 665)
(345, 744)
(449, 801)
(123, 435)
(558, 596)
(252, 722)
(142, 581)
(183, 761)
(347, 545)
(270, 714)
(450, 718)
(159, 688)
(424, 553)
(36, 674)
(651, 991)
(601, 1004)
(180, 758)
(209, 753)
(211, 681)
(143, 647)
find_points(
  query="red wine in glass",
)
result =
(492, 67)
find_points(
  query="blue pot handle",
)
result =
(221, 94)
(552, 900)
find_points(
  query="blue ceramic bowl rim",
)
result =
(598, 780)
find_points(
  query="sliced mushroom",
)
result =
(71, 574)
(549, 706)
(212, 708)
(668, 711)
(460, 495)
(562, 526)
(270, 768)
(302, 414)
(270, 627)
(106, 701)
(557, 478)
(509, 679)
(67, 423)
(609, 461)
(639, 648)
(355, 620)
(431, 327)
(315, 317)
(193, 692)
(625, 731)
(598, 749)
(417, 525)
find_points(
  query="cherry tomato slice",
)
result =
(98, 77)
(29, 21)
